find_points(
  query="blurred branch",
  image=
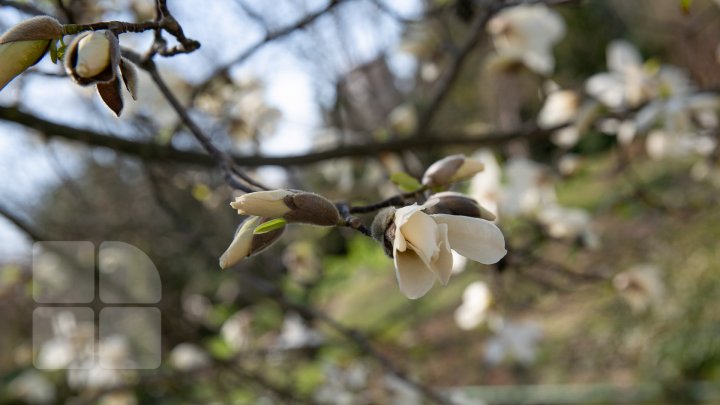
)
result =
(23, 7)
(20, 224)
(156, 152)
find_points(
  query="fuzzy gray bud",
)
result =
(453, 203)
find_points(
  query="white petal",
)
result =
(474, 238)
(422, 234)
(622, 55)
(414, 277)
(268, 204)
(442, 265)
(240, 246)
(93, 54)
(608, 88)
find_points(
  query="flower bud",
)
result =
(313, 209)
(293, 206)
(268, 204)
(451, 169)
(93, 57)
(246, 243)
(25, 44)
(383, 229)
(452, 203)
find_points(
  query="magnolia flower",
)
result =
(420, 244)
(403, 119)
(236, 331)
(187, 356)
(246, 243)
(678, 117)
(293, 206)
(526, 34)
(94, 58)
(485, 186)
(563, 107)
(451, 169)
(295, 334)
(641, 286)
(514, 340)
(528, 188)
(475, 305)
(568, 223)
(25, 44)
(627, 83)
(32, 387)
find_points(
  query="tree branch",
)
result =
(157, 152)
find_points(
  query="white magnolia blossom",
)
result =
(566, 107)
(421, 248)
(71, 345)
(236, 331)
(568, 223)
(673, 117)
(485, 186)
(516, 341)
(526, 34)
(641, 286)
(343, 386)
(295, 334)
(32, 387)
(527, 189)
(627, 83)
(187, 356)
(403, 119)
(113, 368)
(475, 305)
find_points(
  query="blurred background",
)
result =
(596, 121)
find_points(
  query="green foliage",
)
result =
(269, 226)
(405, 181)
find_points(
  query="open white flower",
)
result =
(422, 243)
(526, 34)
(627, 83)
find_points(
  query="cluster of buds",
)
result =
(276, 208)
(94, 58)
(25, 44)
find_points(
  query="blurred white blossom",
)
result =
(32, 387)
(641, 286)
(528, 188)
(526, 34)
(485, 186)
(236, 330)
(295, 334)
(515, 341)
(473, 310)
(187, 356)
(627, 83)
